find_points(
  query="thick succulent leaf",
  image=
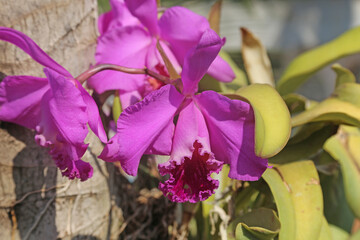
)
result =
(214, 16)
(355, 236)
(330, 110)
(210, 83)
(256, 60)
(116, 107)
(343, 75)
(262, 223)
(302, 67)
(348, 92)
(272, 118)
(336, 208)
(338, 233)
(298, 103)
(344, 147)
(297, 193)
(305, 148)
(325, 232)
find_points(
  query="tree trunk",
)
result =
(36, 202)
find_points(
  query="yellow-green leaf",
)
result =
(298, 103)
(338, 233)
(116, 107)
(325, 232)
(214, 16)
(345, 148)
(297, 193)
(330, 110)
(272, 118)
(302, 67)
(348, 92)
(343, 75)
(262, 223)
(256, 60)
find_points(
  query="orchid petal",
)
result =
(20, 98)
(126, 46)
(231, 125)
(67, 108)
(221, 70)
(191, 162)
(146, 12)
(118, 16)
(140, 125)
(183, 29)
(199, 59)
(94, 119)
(30, 47)
(153, 59)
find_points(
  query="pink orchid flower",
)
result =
(57, 107)
(210, 130)
(129, 33)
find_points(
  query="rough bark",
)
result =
(36, 202)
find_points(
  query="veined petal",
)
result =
(199, 59)
(221, 70)
(146, 12)
(126, 46)
(20, 98)
(66, 154)
(191, 162)
(30, 47)
(183, 29)
(231, 125)
(92, 110)
(67, 109)
(140, 125)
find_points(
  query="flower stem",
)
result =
(101, 67)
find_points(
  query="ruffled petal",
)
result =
(146, 12)
(30, 47)
(20, 98)
(199, 59)
(92, 110)
(191, 162)
(183, 29)
(231, 125)
(128, 47)
(221, 70)
(140, 125)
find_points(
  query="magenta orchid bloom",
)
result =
(57, 107)
(210, 130)
(129, 33)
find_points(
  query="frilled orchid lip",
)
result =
(190, 179)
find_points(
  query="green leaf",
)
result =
(348, 92)
(272, 118)
(302, 67)
(325, 232)
(330, 110)
(256, 60)
(336, 208)
(116, 108)
(338, 233)
(298, 103)
(343, 75)
(297, 193)
(262, 223)
(355, 236)
(344, 147)
(305, 148)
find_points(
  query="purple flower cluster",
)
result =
(199, 131)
